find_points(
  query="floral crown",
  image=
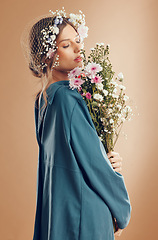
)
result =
(50, 34)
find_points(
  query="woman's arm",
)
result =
(95, 165)
(116, 162)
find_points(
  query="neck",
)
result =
(59, 75)
(56, 75)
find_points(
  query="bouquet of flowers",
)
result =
(104, 94)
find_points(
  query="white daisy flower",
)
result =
(129, 108)
(122, 87)
(99, 86)
(114, 96)
(123, 119)
(105, 130)
(120, 75)
(98, 97)
(119, 106)
(114, 83)
(110, 110)
(111, 121)
(125, 97)
(115, 90)
(105, 92)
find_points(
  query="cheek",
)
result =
(64, 54)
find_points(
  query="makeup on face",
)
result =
(66, 46)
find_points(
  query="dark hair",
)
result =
(36, 43)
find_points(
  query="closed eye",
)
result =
(68, 44)
(65, 46)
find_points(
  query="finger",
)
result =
(118, 232)
(115, 159)
(118, 169)
(116, 164)
(109, 154)
(112, 154)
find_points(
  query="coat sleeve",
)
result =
(95, 165)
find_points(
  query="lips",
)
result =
(78, 58)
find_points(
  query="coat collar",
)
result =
(51, 90)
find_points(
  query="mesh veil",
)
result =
(31, 43)
(32, 47)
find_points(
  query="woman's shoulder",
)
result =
(67, 96)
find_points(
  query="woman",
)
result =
(79, 186)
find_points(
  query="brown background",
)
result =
(131, 29)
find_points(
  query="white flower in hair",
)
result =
(56, 30)
(53, 37)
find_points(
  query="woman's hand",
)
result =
(118, 232)
(116, 161)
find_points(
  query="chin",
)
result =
(79, 64)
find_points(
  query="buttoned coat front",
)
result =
(78, 191)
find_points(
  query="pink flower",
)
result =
(74, 72)
(83, 31)
(96, 79)
(76, 83)
(88, 95)
(50, 53)
(92, 68)
(79, 88)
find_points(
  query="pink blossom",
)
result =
(79, 88)
(92, 68)
(88, 95)
(74, 72)
(96, 79)
(83, 31)
(76, 83)
(50, 53)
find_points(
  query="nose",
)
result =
(77, 47)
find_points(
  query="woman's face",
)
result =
(69, 45)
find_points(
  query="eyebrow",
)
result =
(67, 39)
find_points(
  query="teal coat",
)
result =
(77, 189)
